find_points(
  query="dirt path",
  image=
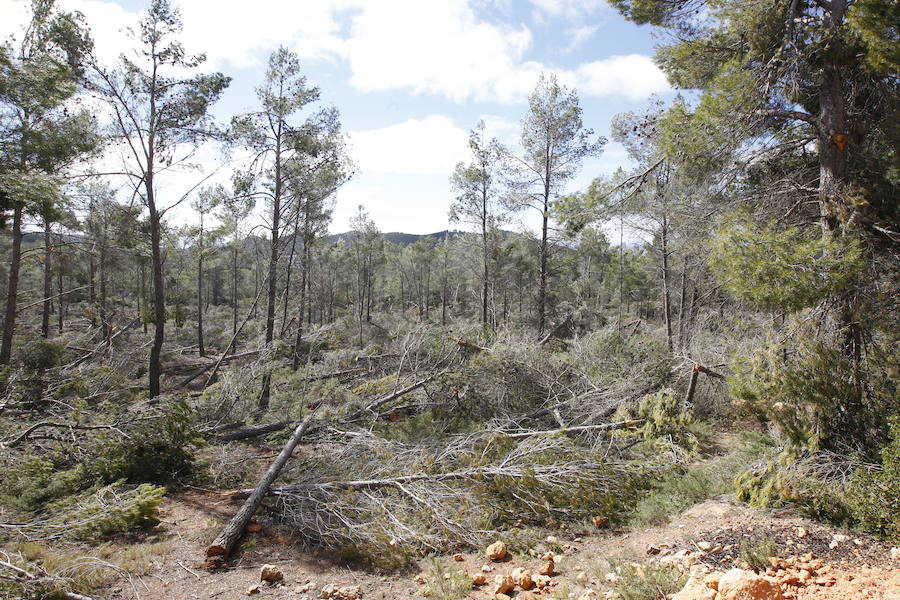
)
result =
(861, 566)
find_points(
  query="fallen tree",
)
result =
(218, 551)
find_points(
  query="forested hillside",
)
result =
(718, 317)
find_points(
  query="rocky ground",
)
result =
(814, 561)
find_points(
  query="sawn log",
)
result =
(219, 550)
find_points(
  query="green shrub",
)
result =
(874, 497)
(817, 397)
(680, 489)
(756, 554)
(785, 482)
(664, 418)
(782, 270)
(445, 584)
(159, 447)
(647, 581)
(40, 355)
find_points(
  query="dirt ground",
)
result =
(859, 567)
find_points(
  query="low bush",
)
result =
(874, 496)
(647, 581)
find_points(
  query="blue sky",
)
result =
(410, 78)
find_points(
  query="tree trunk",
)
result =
(263, 403)
(12, 289)
(105, 328)
(159, 294)
(542, 289)
(304, 280)
(667, 303)
(200, 347)
(48, 279)
(61, 317)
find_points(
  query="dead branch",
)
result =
(471, 347)
(692, 384)
(560, 331)
(373, 407)
(134, 323)
(207, 367)
(577, 428)
(28, 576)
(24, 435)
(218, 551)
(338, 374)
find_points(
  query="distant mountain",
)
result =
(399, 238)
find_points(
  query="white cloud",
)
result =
(437, 46)
(440, 47)
(633, 76)
(430, 146)
(580, 35)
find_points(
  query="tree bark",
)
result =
(48, 278)
(12, 289)
(200, 347)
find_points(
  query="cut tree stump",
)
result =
(218, 551)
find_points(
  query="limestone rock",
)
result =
(522, 578)
(496, 551)
(270, 574)
(253, 589)
(458, 557)
(479, 579)
(738, 584)
(712, 580)
(503, 584)
(335, 592)
(695, 589)
(548, 569)
(705, 546)
(541, 581)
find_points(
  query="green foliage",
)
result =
(781, 483)
(445, 584)
(107, 510)
(159, 447)
(874, 497)
(40, 355)
(816, 396)
(782, 270)
(756, 554)
(877, 22)
(665, 418)
(647, 581)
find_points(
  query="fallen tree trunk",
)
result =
(209, 366)
(219, 550)
(344, 373)
(24, 435)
